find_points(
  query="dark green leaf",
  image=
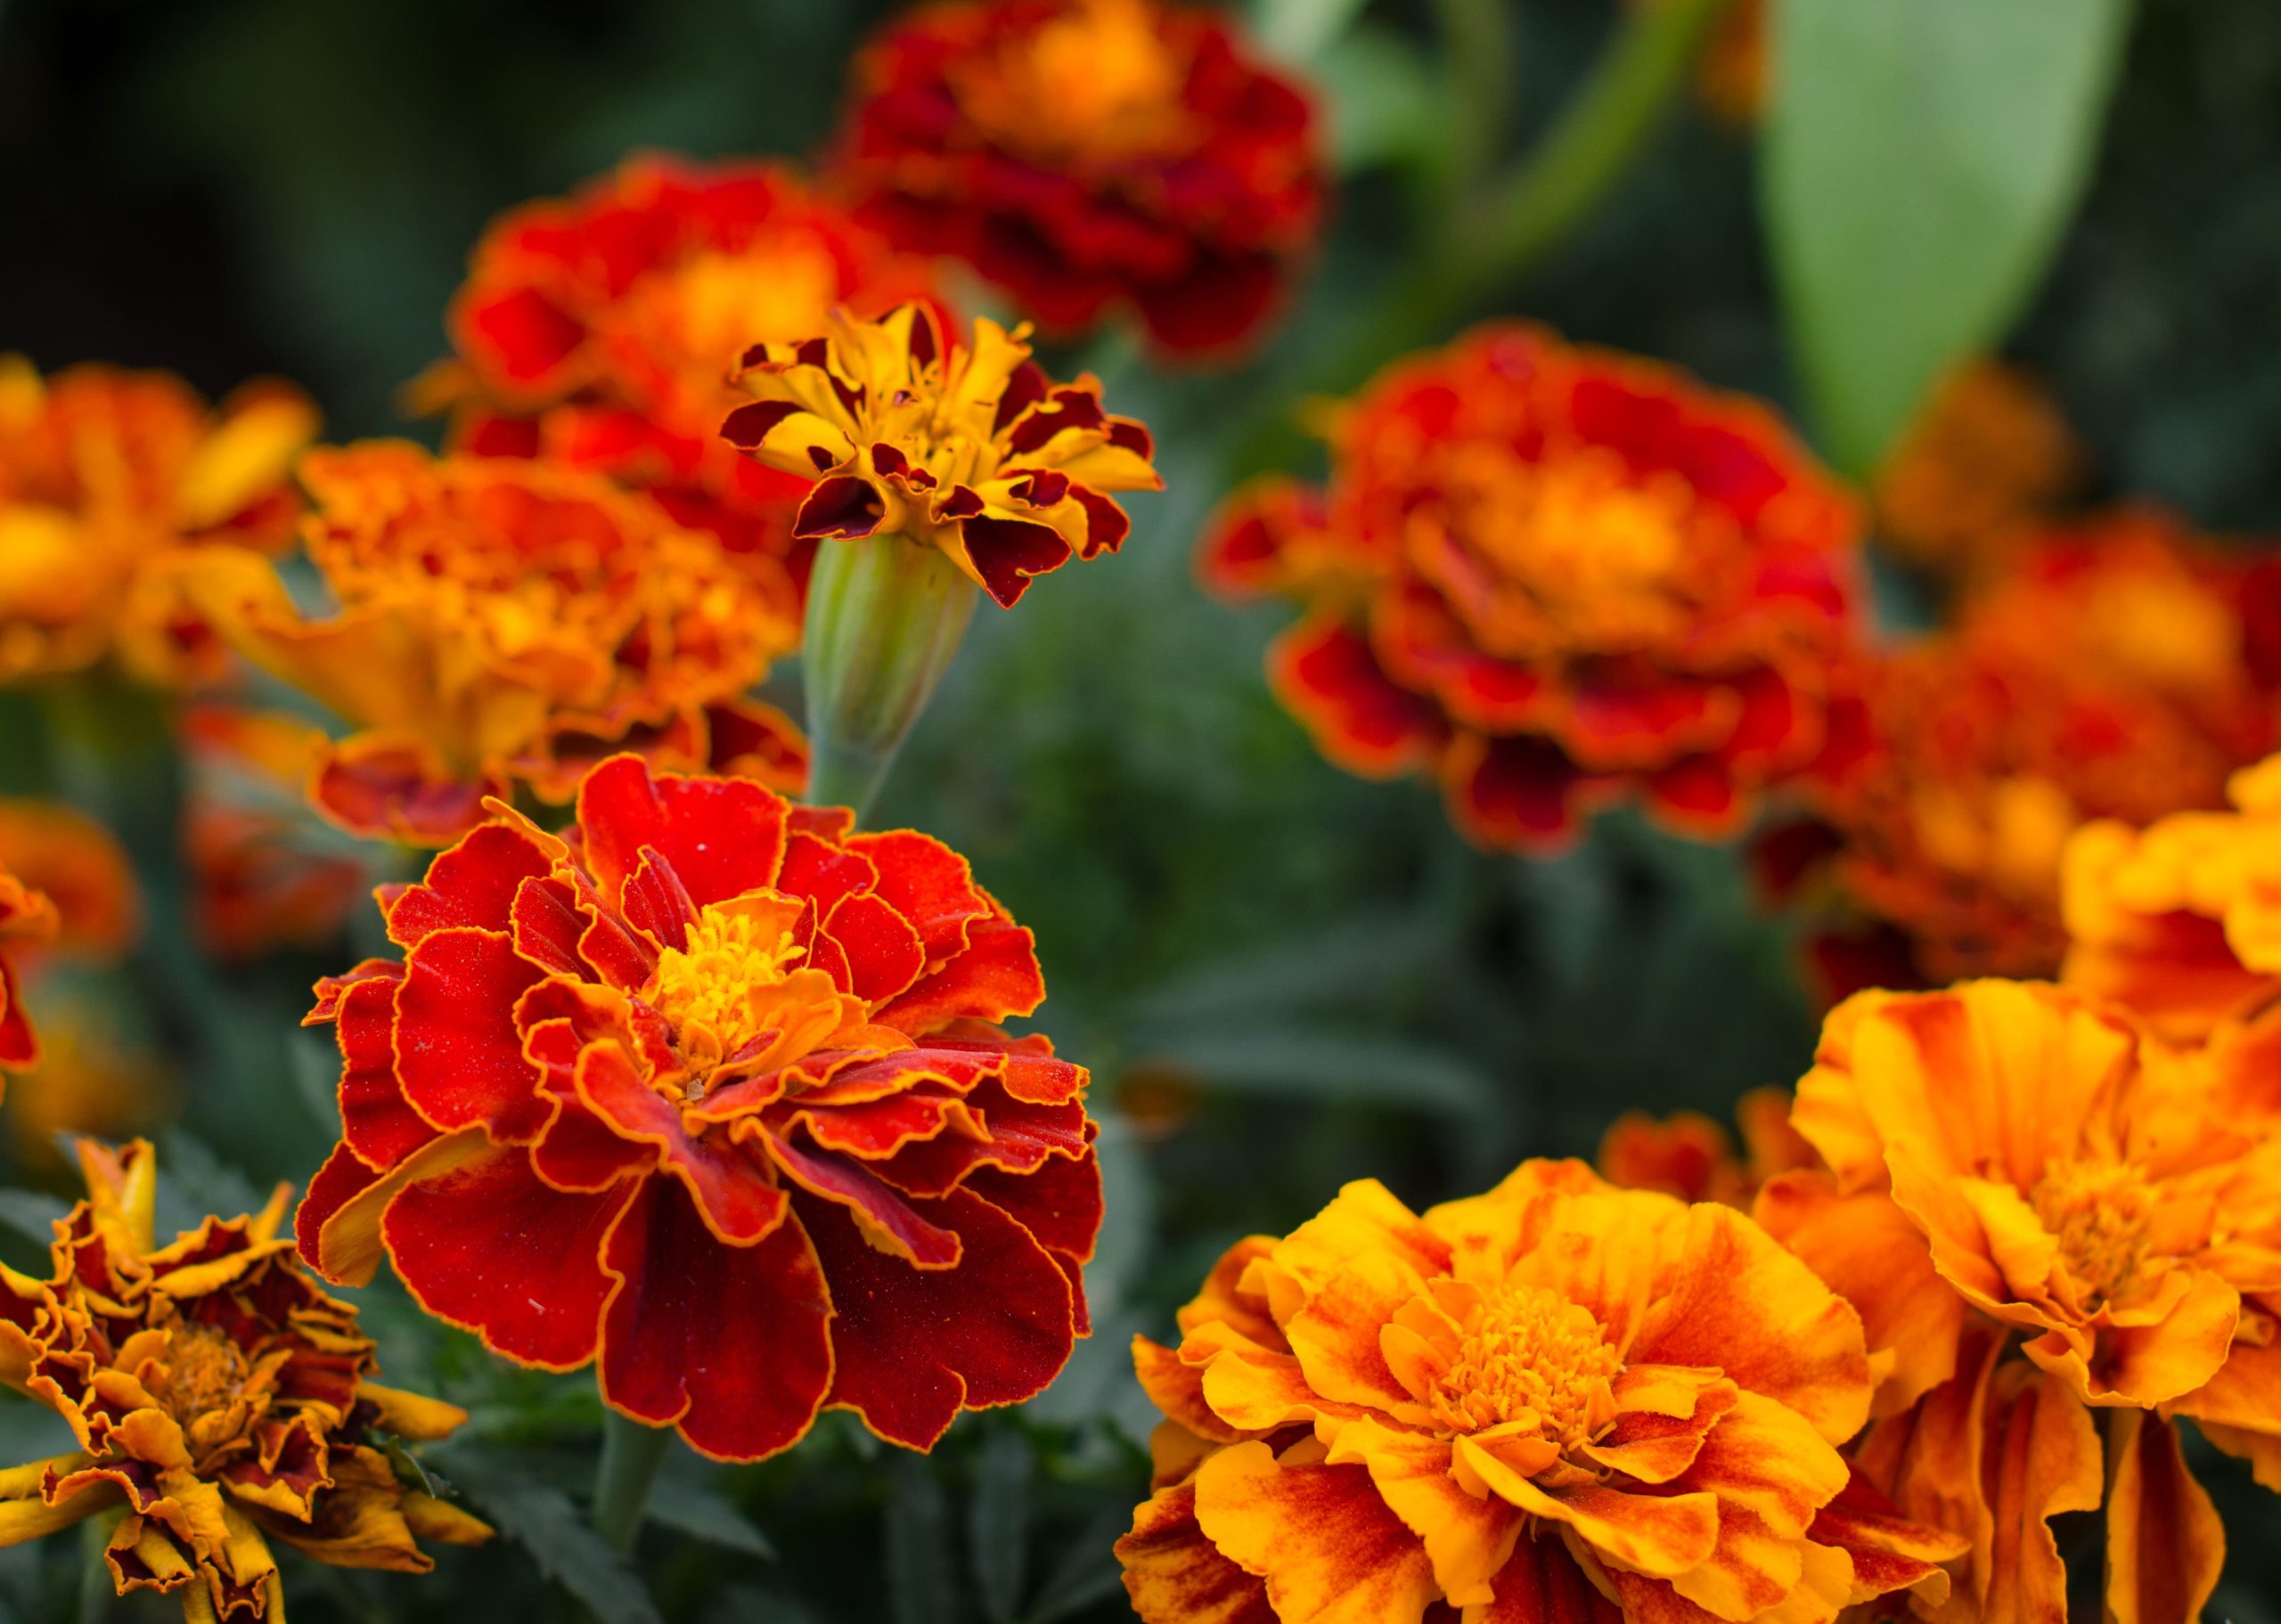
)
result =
(1324, 1066)
(1087, 1573)
(31, 1214)
(922, 1576)
(997, 1521)
(1920, 163)
(701, 1513)
(542, 1519)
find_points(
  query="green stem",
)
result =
(632, 1453)
(97, 1590)
(1478, 45)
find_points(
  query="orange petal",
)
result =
(1329, 1549)
(2164, 1543)
(1545, 1584)
(2141, 1365)
(2043, 1458)
(1771, 1473)
(1174, 1575)
(1658, 1534)
(1468, 1539)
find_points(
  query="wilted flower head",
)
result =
(599, 329)
(1555, 1400)
(1553, 578)
(711, 1092)
(499, 623)
(27, 919)
(970, 451)
(1088, 154)
(218, 1399)
(103, 475)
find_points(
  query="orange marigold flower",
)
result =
(1989, 454)
(1558, 1400)
(712, 1092)
(2102, 675)
(1553, 577)
(1085, 154)
(27, 919)
(103, 474)
(2016, 1160)
(263, 875)
(220, 1401)
(499, 623)
(1689, 1156)
(598, 329)
(88, 1080)
(972, 451)
(83, 870)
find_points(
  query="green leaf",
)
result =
(921, 1570)
(1920, 164)
(1324, 1066)
(542, 1519)
(997, 1522)
(691, 1508)
(1088, 1572)
(31, 1214)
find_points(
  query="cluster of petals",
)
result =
(1557, 1400)
(970, 450)
(1088, 156)
(711, 1092)
(2042, 1217)
(103, 475)
(1689, 1156)
(497, 622)
(598, 329)
(1990, 455)
(219, 1400)
(2105, 672)
(1553, 577)
(27, 919)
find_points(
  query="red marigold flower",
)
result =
(103, 475)
(26, 918)
(1086, 153)
(598, 329)
(972, 451)
(711, 1092)
(1689, 1156)
(501, 622)
(219, 1400)
(2101, 675)
(1554, 576)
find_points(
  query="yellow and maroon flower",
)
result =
(2102, 675)
(1086, 154)
(1689, 1156)
(103, 475)
(971, 451)
(27, 919)
(1554, 576)
(2014, 1160)
(1988, 456)
(220, 1401)
(1555, 1400)
(500, 623)
(711, 1092)
(599, 329)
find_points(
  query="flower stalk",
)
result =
(884, 619)
(632, 1453)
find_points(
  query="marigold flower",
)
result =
(2101, 676)
(1554, 576)
(501, 622)
(88, 1080)
(1689, 1156)
(971, 451)
(1556, 1399)
(80, 865)
(2016, 1159)
(27, 919)
(1085, 154)
(263, 875)
(711, 1092)
(598, 329)
(218, 1397)
(103, 474)
(1989, 453)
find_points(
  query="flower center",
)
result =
(2102, 1215)
(694, 319)
(725, 986)
(1530, 1356)
(1099, 81)
(206, 1371)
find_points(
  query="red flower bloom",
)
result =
(711, 1092)
(26, 918)
(1555, 577)
(1085, 153)
(599, 328)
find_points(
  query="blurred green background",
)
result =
(1292, 978)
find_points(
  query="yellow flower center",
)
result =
(1099, 81)
(697, 318)
(2102, 1215)
(206, 1372)
(1530, 1356)
(715, 990)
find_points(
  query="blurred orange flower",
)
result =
(88, 1081)
(83, 870)
(1555, 1400)
(1989, 453)
(263, 875)
(971, 451)
(502, 623)
(103, 474)
(1555, 577)
(1689, 1156)
(2101, 675)
(27, 919)
(1086, 154)
(599, 329)
(2011, 1159)
(220, 1401)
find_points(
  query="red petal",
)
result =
(1060, 1204)
(729, 1342)
(1007, 552)
(1324, 673)
(816, 869)
(459, 1058)
(841, 506)
(738, 1199)
(996, 977)
(524, 334)
(491, 1249)
(1022, 1136)
(915, 1346)
(546, 927)
(873, 1129)
(658, 905)
(929, 884)
(885, 954)
(337, 1183)
(376, 1122)
(475, 883)
(724, 836)
(886, 1220)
